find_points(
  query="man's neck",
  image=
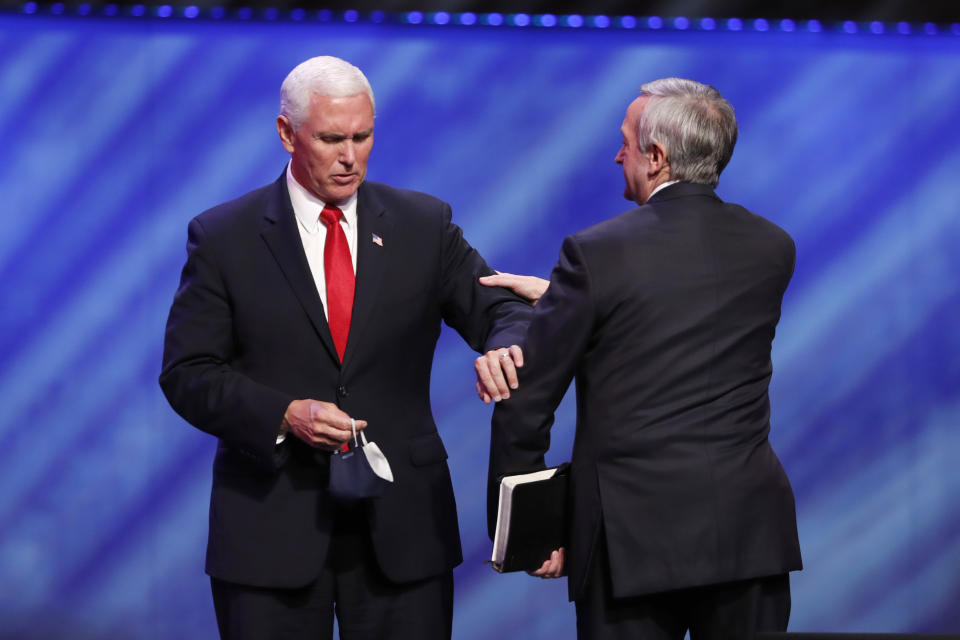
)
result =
(660, 187)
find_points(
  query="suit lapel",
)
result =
(279, 231)
(372, 222)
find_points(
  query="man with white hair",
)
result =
(305, 308)
(682, 516)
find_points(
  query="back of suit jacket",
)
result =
(665, 315)
(247, 335)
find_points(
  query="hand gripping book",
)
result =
(531, 519)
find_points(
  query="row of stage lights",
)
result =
(468, 19)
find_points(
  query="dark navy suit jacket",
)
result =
(247, 335)
(665, 315)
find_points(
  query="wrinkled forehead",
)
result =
(632, 116)
(633, 111)
(351, 111)
(357, 101)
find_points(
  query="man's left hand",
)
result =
(497, 373)
(531, 288)
(552, 567)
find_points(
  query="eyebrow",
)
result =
(366, 133)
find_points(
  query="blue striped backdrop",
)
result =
(115, 133)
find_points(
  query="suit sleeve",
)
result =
(197, 378)
(485, 317)
(556, 342)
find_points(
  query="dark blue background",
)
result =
(116, 133)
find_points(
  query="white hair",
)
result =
(323, 76)
(695, 124)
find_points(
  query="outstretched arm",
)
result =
(497, 369)
(556, 340)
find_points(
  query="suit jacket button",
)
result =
(342, 391)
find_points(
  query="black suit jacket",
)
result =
(247, 335)
(665, 315)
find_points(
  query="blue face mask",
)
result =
(362, 472)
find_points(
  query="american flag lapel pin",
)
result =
(377, 240)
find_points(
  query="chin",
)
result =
(341, 193)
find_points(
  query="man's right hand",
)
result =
(497, 373)
(320, 424)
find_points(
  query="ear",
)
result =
(285, 130)
(657, 156)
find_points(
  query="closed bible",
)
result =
(531, 519)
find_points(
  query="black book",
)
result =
(531, 519)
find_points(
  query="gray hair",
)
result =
(323, 76)
(695, 124)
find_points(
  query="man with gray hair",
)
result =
(682, 516)
(307, 308)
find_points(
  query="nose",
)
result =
(619, 158)
(348, 154)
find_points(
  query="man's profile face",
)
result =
(329, 152)
(634, 162)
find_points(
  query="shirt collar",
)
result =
(307, 207)
(662, 186)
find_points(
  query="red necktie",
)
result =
(338, 272)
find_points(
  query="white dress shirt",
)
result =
(313, 233)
